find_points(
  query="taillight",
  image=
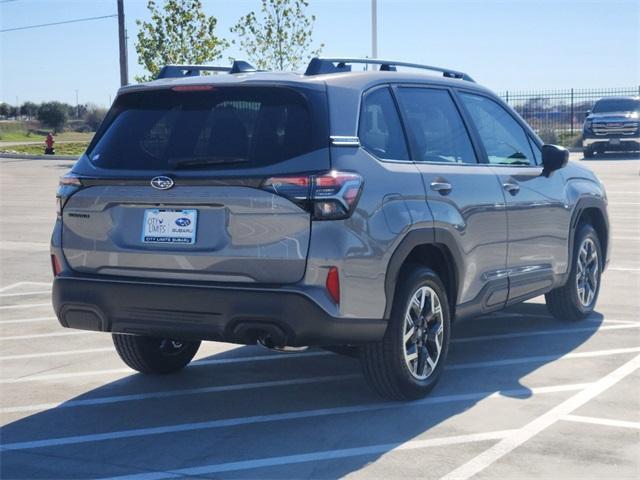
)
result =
(333, 285)
(330, 196)
(67, 185)
(55, 265)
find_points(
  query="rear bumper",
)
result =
(204, 312)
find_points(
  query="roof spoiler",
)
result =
(180, 71)
(319, 66)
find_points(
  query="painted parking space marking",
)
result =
(90, 402)
(49, 335)
(29, 305)
(23, 294)
(278, 417)
(317, 456)
(27, 320)
(530, 430)
(602, 421)
(455, 366)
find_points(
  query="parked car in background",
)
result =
(351, 210)
(612, 125)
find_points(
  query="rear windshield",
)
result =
(222, 128)
(617, 105)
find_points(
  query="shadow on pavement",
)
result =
(303, 414)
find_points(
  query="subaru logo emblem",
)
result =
(161, 183)
(183, 222)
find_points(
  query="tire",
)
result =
(569, 302)
(588, 153)
(154, 355)
(387, 365)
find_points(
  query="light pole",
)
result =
(374, 29)
(77, 105)
(124, 74)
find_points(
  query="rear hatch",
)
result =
(173, 185)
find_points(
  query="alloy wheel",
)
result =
(423, 333)
(587, 272)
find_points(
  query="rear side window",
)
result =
(380, 130)
(504, 140)
(435, 125)
(222, 128)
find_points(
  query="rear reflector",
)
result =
(55, 265)
(333, 285)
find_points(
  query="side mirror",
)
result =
(553, 158)
(587, 113)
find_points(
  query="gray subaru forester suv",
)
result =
(359, 211)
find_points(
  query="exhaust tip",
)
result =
(268, 343)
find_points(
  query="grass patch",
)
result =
(75, 148)
(31, 132)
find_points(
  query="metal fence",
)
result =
(557, 115)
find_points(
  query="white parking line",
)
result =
(26, 356)
(501, 336)
(623, 269)
(27, 320)
(602, 421)
(22, 294)
(541, 358)
(457, 366)
(530, 430)
(47, 335)
(28, 305)
(198, 363)
(623, 324)
(90, 402)
(19, 284)
(277, 417)
(317, 456)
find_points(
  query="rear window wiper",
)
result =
(197, 162)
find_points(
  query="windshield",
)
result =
(617, 105)
(221, 128)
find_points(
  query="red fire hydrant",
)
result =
(49, 150)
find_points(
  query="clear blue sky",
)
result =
(515, 45)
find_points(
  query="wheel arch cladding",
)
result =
(592, 211)
(419, 247)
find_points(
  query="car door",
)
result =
(537, 213)
(465, 197)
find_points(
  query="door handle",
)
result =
(511, 187)
(443, 188)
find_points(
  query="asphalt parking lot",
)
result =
(524, 395)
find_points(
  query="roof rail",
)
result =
(179, 71)
(319, 66)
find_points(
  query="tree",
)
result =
(280, 38)
(53, 115)
(29, 110)
(180, 32)
(5, 109)
(94, 116)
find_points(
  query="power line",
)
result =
(57, 23)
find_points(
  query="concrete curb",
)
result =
(25, 156)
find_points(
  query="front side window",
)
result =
(380, 130)
(504, 140)
(436, 127)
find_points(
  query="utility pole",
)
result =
(374, 28)
(124, 73)
(77, 105)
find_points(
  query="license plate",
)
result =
(169, 226)
(614, 141)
